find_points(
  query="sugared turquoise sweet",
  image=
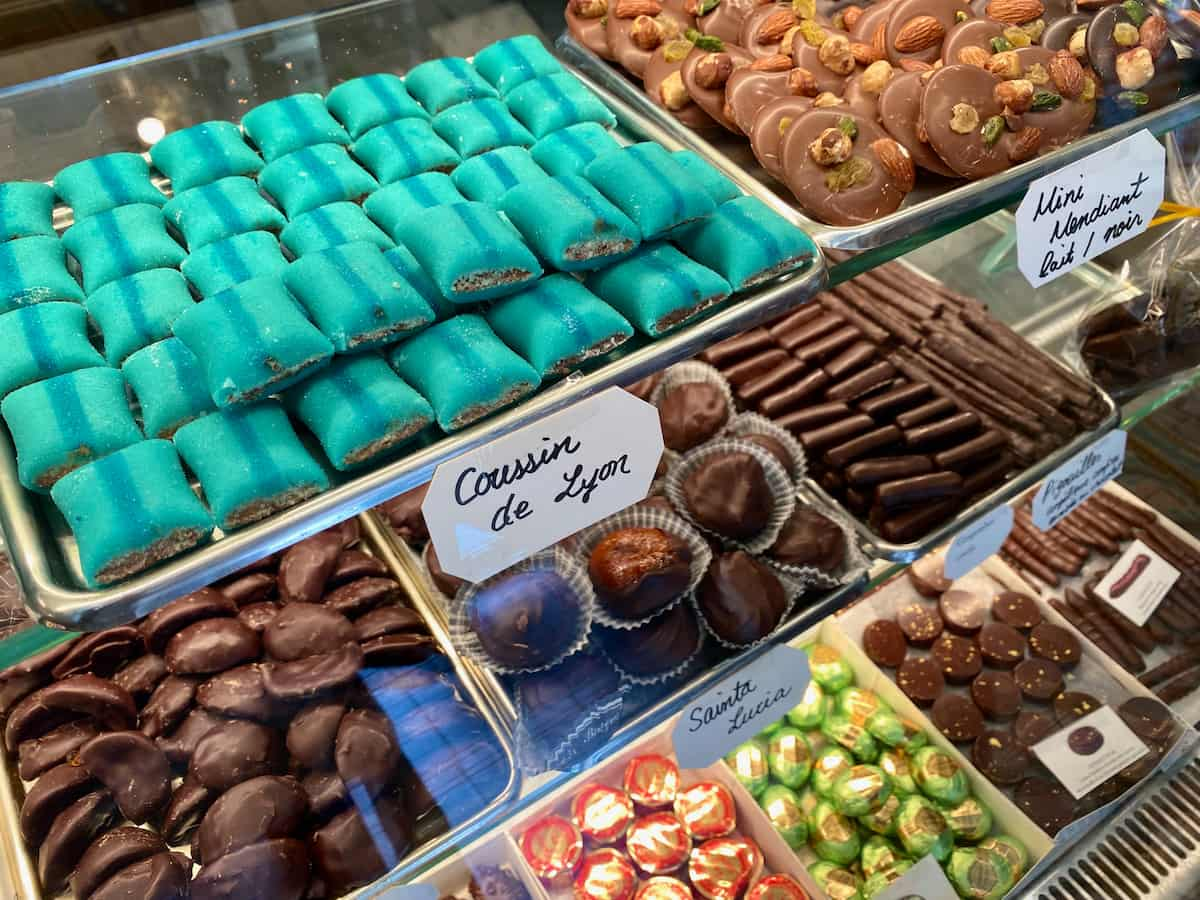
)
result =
(354, 296)
(331, 226)
(567, 152)
(41, 341)
(213, 212)
(513, 61)
(169, 385)
(469, 251)
(403, 149)
(34, 270)
(410, 270)
(650, 187)
(280, 127)
(488, 176)
(441, 83)
(252, 340)
(551, 102)
(160, 516)
(464, 370)
(361, 104)
(223, 264)
(26, 209)
(479, 126)
(120, 242)
(389, 207)
(106, 182)
(720, 188)
(138, 310)
(358, 408)
(203, 154)
(67, 421)
(746, 242)
(569, 223)
(558, 324)
(250, 463)
(658, 288)
(314, 176)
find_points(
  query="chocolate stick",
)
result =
(915, 309)
(1180, 687)
(1176, 665)
(1024, 573)
(1030, 379)
(792, 320)
(1113, 630)
(1042, 553)
(1115, 525)
(730, 349)
(1136, 516)
(1159, 629)
(1090, 605)
(1050, 542)
(836, 304)
(1083, 624)
(894, 325)
(1030, 562)
(1067, 545)
(1086, 536)
(916, 285)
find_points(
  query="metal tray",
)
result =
(477, 685)
(936, 202)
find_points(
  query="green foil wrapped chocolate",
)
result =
(858, 704)
(749, 764)
(885, 726)
(855, 738)
(828, 764)
(786, 812)
(829, 669)
(883, 820)
(980, 874)
(970, 820)
(861, 789)
(1011, 849)
(878, 853)
(914, 738)
(789, 757)
(895, 764)
(812, 709)
(922, 829)
(884, 879)
(766, 733)
(836, 882)
(939, 777)
(833, 837)
(808, 801)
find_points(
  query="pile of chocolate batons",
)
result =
(845, 105)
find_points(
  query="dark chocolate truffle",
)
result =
(659, 646)
(728, 493)
(691, 413)
(809, 538)
(638, 570)
(772, 445)
(525, 619)
(741, 599)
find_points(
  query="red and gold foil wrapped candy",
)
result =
(658, 843)
(605, 874)
(664, 887)
(601, 813)
(778, 887)
(651, 781)
(721, 869)
(706, 810)
(553, 848)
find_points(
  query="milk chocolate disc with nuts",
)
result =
(763, 31)
(862, 92)
(873, 20)
(1066, 118)
(826, 54)
(748, 90)
(997, 694)
(772, 121)
(726, 19)
(705, 74)
(973, 33)
(663, 83)
(957, 107)
(1058, 33)
(916, 28)
(589, 31)
(669, 24)
(1138, 76)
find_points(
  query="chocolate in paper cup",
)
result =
(642, 517)
(793, 589)
(854, 561)
(753, 423)
(556, 560)
(691, 372)
(614, 644)
(778, 482)
(430, 583)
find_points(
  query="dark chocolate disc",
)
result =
(957, 718)
(326, 793)
(140, 676)
(168, 704)
(964, 611)
(1002, 646)
(278, 869)
(1031, 727)
(348, 853)
(959, 100)
(1058, 33)
(1018, 610)
(366, 752)
(1047, 802)
(1147, 718)
(389, 620)
(181, 743)
(1001, 757)
(884, 643)
(111, 852)
(211, 645)
(163, 876)
(100, 652)
(305, 567)
(398, 649)
(900, 113)
(1055, 643)
(364, 594)
(1072, 705)
(49, 796)
(354, 564)
(303, 679)
(920, 623)
(256, 616)
(749, 90)
(259, 809)
(54, 747)
(696, 70)
(1039, 679)
(133, 768)
(164, 623)
(186, 810)
(69, 836)
(75, 697)
(239, 693)
(997, 694)
(958, 658)
(233, 753)
(921, 680)
(305, 629)
(770, 124)
(311, 734)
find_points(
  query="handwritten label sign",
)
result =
(1077, 479)
(1090, 750)
(494, 506)
(924, 881)
(979, 540)
(1088, 207)
(1137, 582)
(740, 706)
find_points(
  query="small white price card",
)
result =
(496, 505)
(1137, 583)
(1081, 210)
(740, 706)
(1090, 750)
(924, 881)
(1077, 479)
(979, 540)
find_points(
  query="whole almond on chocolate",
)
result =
(879, 40)
(780, 62)
(713, 70)
(1153, 35)
(775, 26)
(631, 9)
(919, 33)
(896, 161)
(915, 65)
(973, 56)
(864, 54)
(1066, 73)
(1026, 144)
(1015, 12)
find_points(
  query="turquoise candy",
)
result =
(650, 187)
(569, 223)
(235, 260)
(41, 341)
(252, 340)
(402, 149)
(250, 463)
(489, 176)
(159, 513)
(213, 212)
(331, 226)
(558, 324)
(169, 384)
(353, 295)
(479, 126)
(720, 188)
(106, 182)
(358, 408)
(67, 421)
(568, 152)
(33, 270)
(513, 61)
(746, 243)
(391, 206)
(464, 370)
(410, 270)
(442, 83)
(283, 126)
(26, 209)
(658, 288)
(138, 310)
(120, 242)
(314, 176)
(557, 101)
(363, 103)
(469, 251)
(203, 154)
